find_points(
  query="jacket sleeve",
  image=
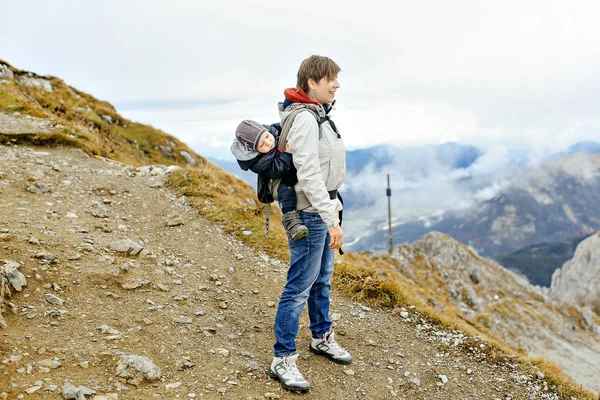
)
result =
(303, 139)
(244, 165)
(281, 165)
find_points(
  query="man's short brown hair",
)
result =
(316, 67)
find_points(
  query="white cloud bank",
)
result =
(509, 73)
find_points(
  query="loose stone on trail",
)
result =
(126, 246)
(136, 368)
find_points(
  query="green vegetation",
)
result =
(232, 205)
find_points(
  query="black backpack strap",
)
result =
(341, 213)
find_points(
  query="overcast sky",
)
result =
(511, 73)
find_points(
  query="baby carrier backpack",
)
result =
(268, 194)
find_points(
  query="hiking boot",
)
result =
(326, 346)
(285, 370)
(293, 225)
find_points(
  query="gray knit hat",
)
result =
(248, 132)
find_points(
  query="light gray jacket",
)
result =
(321, 164)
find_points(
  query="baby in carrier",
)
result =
(255, 148)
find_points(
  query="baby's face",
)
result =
(266, 142)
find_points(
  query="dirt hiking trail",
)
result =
(107, 277)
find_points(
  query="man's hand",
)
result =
(336, 236)
(287, 148)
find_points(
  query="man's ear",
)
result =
(311, 83)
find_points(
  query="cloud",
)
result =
(423, 186)
(509, 73)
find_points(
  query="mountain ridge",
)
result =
(564, 188)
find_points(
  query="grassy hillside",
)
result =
(86, 122)
(97, 128)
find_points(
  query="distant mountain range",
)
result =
(586, 146)
(558, 200)
(418, 161)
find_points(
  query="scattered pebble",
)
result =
(173, 385)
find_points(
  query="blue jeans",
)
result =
(308, 279)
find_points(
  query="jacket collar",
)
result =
(293, 95)
(298, 96)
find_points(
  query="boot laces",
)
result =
(290, 362)
(330, 339)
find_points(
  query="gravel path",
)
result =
(107, 277)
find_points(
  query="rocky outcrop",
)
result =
(36, 82)
(6, 72)
(188, 158)
(453, 275)
(470, 278)
(579, 279)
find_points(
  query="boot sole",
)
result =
(301, 235)
(274, 376)
(331, 358)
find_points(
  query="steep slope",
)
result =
(579, 278)
(453, 279)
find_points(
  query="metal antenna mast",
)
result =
(389, 196)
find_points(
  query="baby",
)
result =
(255, 149)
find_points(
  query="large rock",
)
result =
(578, 280)
(126, 246)
(6, 73)
(137, 368)
(15, 278)
(39, 187)
(167, 151)
(188, 158)
(39, 83)
(70, 391)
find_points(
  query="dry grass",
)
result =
(85, 123)
(232, 204)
